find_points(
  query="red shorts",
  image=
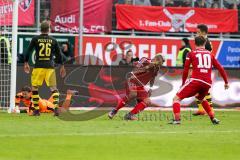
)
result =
(141, 91)
(192, 88)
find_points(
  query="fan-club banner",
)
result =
(25, 13)
(97, 16)
(175, 19)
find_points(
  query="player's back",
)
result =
(143, 77)
(46, 47)
(202, 61)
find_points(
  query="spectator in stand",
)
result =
(156, 2)
(187, 3)
(200, 4)
(45, 16)
(169, 3)
(129, 2)
(215, 4)
(67, 52)
(143, 2)
(230, 4)
(182, 3)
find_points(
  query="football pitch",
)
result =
(151, 138)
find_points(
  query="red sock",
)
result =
(208, 109)
(138, 108)
(120, 104)
(176, 110)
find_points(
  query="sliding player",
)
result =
(45, 106)
(144, 72)
(200, 82)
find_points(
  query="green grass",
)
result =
(46, 137)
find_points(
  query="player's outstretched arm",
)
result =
(219, 67)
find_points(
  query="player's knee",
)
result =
(147, 101)
(176, 98)
(54, 89)
(34, 88)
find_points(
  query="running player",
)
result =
(200, 82)
(46, 48)
(144, 72)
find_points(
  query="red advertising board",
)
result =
(109, 50)
(175, 19)
(97, 16)
(25, 13)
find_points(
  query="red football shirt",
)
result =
(141, 76)
(202, 62)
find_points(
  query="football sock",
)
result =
(55, 95)
(209, 99)
(208, 109)
(121, 104)
(200, 107)
(138, 108)
(35, 100)
(50, 109)
(176, 110)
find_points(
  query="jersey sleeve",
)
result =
(219, 67)
(29, 49)
(186, 68)
(17, 99)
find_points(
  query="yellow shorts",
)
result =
(41, 74)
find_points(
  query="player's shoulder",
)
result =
(51, 37)
(144, 60)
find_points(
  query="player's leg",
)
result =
(200, 110)
(37, 78)
(131, 93)
(189, 89)
(52, 84)
(67, 102)
(207, 107)
(144, 101)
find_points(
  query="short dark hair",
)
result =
(45, 26)
(26, 89)
(200, 41)
(203, 28)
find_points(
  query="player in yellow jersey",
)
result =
(47, 49)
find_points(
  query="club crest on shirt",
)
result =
(25, 5)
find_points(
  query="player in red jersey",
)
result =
(200, 82)
(144, 72)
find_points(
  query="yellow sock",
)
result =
(35, 100)
(55, 95)
(209, 99)
(200, 107)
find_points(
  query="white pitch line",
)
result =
(115, 133)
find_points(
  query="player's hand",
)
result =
(26, 68)
(62, 72)
(226, 86)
